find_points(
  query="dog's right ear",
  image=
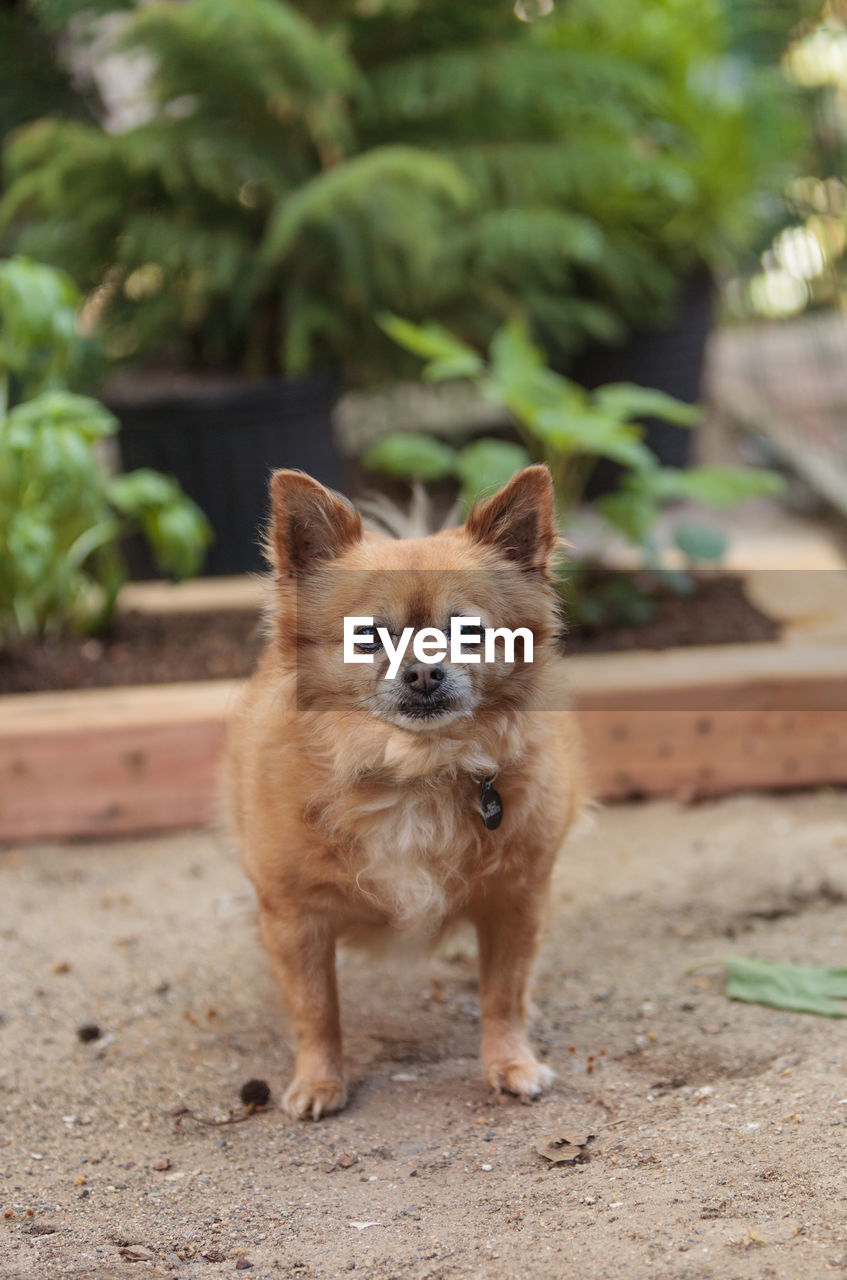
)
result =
(309, 524)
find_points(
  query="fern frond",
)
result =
(309, 163)
(543, 243)
(529, 84)
(249, 64)
(601, 169)
(375, 180)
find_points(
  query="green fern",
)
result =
(307, 164)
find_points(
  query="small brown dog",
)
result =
(364, 803)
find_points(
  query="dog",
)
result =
(366, 805)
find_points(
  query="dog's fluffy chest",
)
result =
(413, 848)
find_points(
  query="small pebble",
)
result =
(88, 1031)
(243, 1265)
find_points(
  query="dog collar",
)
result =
(490, 804)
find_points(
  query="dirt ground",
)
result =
(719, 1148)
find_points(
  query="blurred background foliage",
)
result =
(243, 186)
(63, 514)
(570, 430)
(801, 264)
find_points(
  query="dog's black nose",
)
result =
(422, 677)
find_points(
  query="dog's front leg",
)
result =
(302, 951)
(507, 927)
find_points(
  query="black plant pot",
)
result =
(671, 360)
(221, 445)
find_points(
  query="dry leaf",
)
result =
(565, 1148)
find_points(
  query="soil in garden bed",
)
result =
(718, 612)
(140, 649)
(158, 649)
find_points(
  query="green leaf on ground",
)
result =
(803, 988)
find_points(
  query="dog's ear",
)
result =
(520, 520)
(309, 524)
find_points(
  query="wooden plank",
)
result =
(693, 722)
(129, 706)
(744, 676)
(196, 595)
(686, 723)
(706, 753)
(97, 781)
(811, 692)
(158, 777)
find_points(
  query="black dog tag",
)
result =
(491, 806)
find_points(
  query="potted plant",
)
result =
(63, 515)
(572, 430)
(208, 236)
(301, 167)
(723, 141)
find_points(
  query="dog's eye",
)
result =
(367, 640)
(467, 631)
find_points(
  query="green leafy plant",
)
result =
(569, 428)
(62, 514)
(306, 164)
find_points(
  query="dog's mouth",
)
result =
(427, 707)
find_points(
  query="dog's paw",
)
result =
(308, 1099)
(523, 1076)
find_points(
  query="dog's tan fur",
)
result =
(350, 824)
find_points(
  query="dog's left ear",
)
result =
(309, 524)
(519, 521)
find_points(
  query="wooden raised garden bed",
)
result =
(689, 723)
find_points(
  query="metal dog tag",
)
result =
(491, 806)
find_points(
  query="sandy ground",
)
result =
(720, 1126)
